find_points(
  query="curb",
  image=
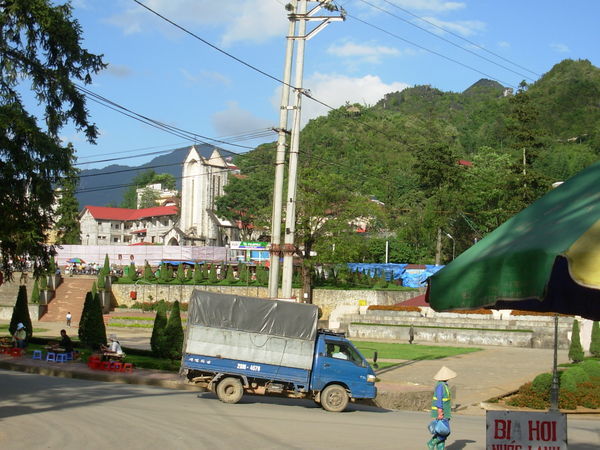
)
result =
(87, 374)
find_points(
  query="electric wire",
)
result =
(462, 38)
(443, 38)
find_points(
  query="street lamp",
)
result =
(453, 245)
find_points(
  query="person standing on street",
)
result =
(441, 405)
(68, 317)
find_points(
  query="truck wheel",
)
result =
(334, 398)
(230, 390)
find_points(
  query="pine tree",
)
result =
(595, 343)
(94, 288)
(94, 330)
(52, 266)
(205, 273)
(106, 267)
(243, 273)
(189, 274)
(132, 272)
(180, 274)
(158, 330)
(35, 293)
(20, 314)
(198, 274)
(101, 282)
(229, 278)
(173, 335)
(575, 349)
(148, 274)
(212, 275)
(87, 304)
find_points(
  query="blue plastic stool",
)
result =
(69, 356)
(37, 354)
(50, 357)
(61, 357)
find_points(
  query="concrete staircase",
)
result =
(70, 296)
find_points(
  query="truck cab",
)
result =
(338, 363)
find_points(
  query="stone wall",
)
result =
(35, 311)
(326, 299)
(453, 328)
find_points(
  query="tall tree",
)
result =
(173, 334)
(158, 330)
(575, 349)
(141, 180)
(21, 313)
(595, 341)
(67, 225)
(40, 52)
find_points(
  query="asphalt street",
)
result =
(59, 413)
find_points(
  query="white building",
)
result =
(164, 197)
(101, 225)
(203, 179)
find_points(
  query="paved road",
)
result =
(57, 413)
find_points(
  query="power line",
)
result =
(462, 38)
(443, 38)
(455, 61)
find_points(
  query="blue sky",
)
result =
(163, 73)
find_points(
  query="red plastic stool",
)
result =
(127, 367)
(16, 352)
(116, 366)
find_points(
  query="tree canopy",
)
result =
(41, 57)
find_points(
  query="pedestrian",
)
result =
(441, 409)
(69, 317)
(20, 336)
(411, 334)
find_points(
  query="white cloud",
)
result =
(238, 21)
(462, 27)
(504, 44)
(235, 120)
(119, 71)
(560, 48)
(205, 76)
(362, 52)
(336, 90)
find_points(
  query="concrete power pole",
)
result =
(289, 248)
(275, 250)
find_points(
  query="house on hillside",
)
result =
(101, 225)
(204, 175)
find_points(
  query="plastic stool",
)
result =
(127, 367)
(69, 356)
(61, 357)
(37, 354)
(50, 357)
(105, 365)
(15, 352)
(116, 366)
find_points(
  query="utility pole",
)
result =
(289, 248)
(297, 32)
(275, 250)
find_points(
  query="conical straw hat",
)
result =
(444, 374)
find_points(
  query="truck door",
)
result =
(340, 362)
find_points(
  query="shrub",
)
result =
(567, 399)
(172, 341)
(588, 394)
(35, 293)
(148, 274)
(212, 275)
(43, 282)
(198, 274)
(158, 330)
(575, 349)
(132, 272)
(591, 367)
(572, 377)
(92, 332)
(595, 343)
(181, 278)
(21, 314)
(106, 267)
(542, 383)
(527, 397)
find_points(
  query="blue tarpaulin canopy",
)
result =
(410, 277)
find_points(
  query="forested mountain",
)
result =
(404, 152)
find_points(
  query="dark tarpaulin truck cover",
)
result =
(255, 315)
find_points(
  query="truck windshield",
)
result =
(341, 350)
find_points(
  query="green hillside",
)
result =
(403, 152)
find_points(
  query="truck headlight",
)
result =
(371, 378)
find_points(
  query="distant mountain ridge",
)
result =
(106, 186)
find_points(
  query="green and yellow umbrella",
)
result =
(546, 258)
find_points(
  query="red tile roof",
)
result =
(107, 213)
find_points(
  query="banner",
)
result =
(515, 430)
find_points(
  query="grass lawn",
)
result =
(4, 328)
(408, 351)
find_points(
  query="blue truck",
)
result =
(236, 345)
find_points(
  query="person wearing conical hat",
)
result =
(441, 407)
